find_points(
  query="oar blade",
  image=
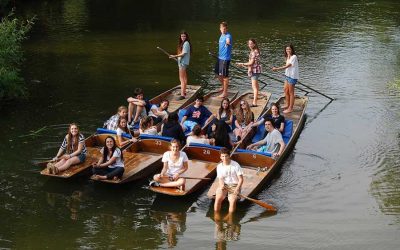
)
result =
(262, 204)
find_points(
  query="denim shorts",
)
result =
(182, 66)
(291, 80)
(255, 76)
(82, 158)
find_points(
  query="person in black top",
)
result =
(173, 129)
(277, 118)
(220, 134)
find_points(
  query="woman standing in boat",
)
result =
(111, 164)
(291, 76)
(175, 164)
(75, 151)
(183, 54)
(253, 68)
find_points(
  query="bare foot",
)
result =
(286, 111)
(284, 107)
(115, 178)
(221, 96)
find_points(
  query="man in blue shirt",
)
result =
(195, 114)
(224, 58)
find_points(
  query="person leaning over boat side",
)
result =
(224, 58)
(291, 76)
(175, 164)
(195, 114)
(230, 181)
(270, 141)
(196, 137)
(173, 129)
(277, 118)
(112, 123)
(244, 120)
(253, 68)
(146, 126)
(159, 114)
(137, 107)
(111, 164)
(123, 128)
(75, 151)
(184, 51)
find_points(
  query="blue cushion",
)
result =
(253, 152)
(259, 133)
(287, 133)
(181, 114)
(200, 145)
(113, 132)
(156, 137)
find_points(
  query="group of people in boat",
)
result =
(138, 117)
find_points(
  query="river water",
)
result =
(338, 189)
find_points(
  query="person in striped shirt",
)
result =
(74, 148)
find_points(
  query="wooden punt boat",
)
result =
(172, 95)
(259, 167)
(93, 144)
(203, 161)
(142, 158)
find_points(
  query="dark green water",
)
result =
(339, 189)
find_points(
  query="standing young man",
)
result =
(224, 58)
(230, 180)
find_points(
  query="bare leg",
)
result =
(254, 84)
(219, 198)
(68, 163)
(232, 202)
(286, 92)
(178, 183)
(291, 99)
(131, 108)
(225, 83)
(183, 79)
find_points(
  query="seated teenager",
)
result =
(146, 127)
(75, 151)
(175, 164)
(196, 137)
(111, 164)
(224, 113)
(137, 107)
(270, 141)
(230, 181)
(244, 120)
(277, 118)
(123, 128)
(159, 114)
(112, 123)
(195, 114)
(173, 129)
(221, 135)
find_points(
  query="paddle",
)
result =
(260, 203)
(261, 81)
(189, 177)
(195, 73)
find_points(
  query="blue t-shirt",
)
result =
(198, 115)
(224, 52)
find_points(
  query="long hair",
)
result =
(173, 118)
(126, 130)
(228, 109)
(72, 143)
(221, 135)
(146, 123)
(277, 107)
(180, 42)
(241, 116)
(105, 149)
(290, 46)
(255, 44)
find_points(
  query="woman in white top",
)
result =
(159, 114)
(197, 138)
(291, 76)
(146, 126)
(111, 164)
(123, 128)
(175, 163)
